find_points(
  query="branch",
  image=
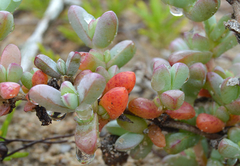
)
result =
(165, 121)
(33, 142)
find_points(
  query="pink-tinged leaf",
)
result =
(90, 62)
(113, 70)
(106, 30)
(161, 79)
(178, 45)
(6, 24)
(179, 75)
(234, 107)
(197, 41)
(228, 148)
(190, 56)
(70, 100)
(220, 71)
(48, 97)
(86, 136)
(177, 142)
(91, 27)
(73, 63)
(230, 92)
(14, 72)
(79, 20)
(29, 106)
(144, 108)
(213, 83)
(121, 53)
(172, 99)
(209, 123)
(61, 66)
(11, 54)
(102, 71)
(9, 90)
(67, 87)
(47, 65)
(90, 88)
(98, 54)
(4, 108)
(3, 74)
(156, 62)
(202, 10)
(186, 111)
(79, 77)
(196, 81)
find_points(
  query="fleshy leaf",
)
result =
(136, 126)
(79, 20)
(90, 88)
(67, 87)
(177, 142)
(113, 70)
(161, 79)
(73, 63)
(228, 42)
(26, 79)
(219, 29)
(202, 10)
(228, 149)
(9, 90)
(234, 107)
(229, 90)
(14, 72)
(128, 141)
(48, 97)
(115, 101)
(114, 128)
(11, 54)
(195, 82)
(144, 108)
(143, 149)
(9, 5)
(90, 62)
(3, 74)
(213, 83)
(178, 45)
(173, 160)
(234, 134)
(179, 75)
(86, 136)
(70, 100)
(102, 71)
(156, 62)
(79, 77)
(105, 30)
(121, 53)
(190, 56)
(6, 24)
(172, 99)
(47, 65)
(61, 66)
(125, 79)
